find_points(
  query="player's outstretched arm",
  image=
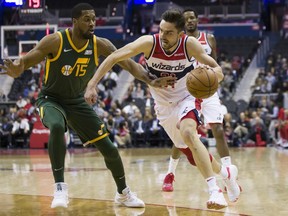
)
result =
(122, 56)
(47, 46)
(105, 48)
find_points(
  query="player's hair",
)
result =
(77, 9)
(176, 17)
(191, 10)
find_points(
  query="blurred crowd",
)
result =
(133, 123)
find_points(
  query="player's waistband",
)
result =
(172, 103)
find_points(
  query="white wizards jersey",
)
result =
(176, 64)
(202, 38)
(204, 42)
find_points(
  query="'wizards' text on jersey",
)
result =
(177, 64)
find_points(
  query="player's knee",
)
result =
(189, 136)
(218, 130)
(107, 149)
(113, 154)
(57, 128)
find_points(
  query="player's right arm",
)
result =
(47, 47)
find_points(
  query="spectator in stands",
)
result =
(258, 132)
(12, 114)
(255, 118)
(155, 132)
(107, 101)
(270, 61)
(21, 102)
(138, 91)
(149, 101)
(229, 125)
(21, 129)
(128, 97)
(264, 106)
(5, 133)
(229, 82)
(280, 95)
(130, 108)
(114, 105)
(123, 136)
(273, 115)
(253, 103)
(256, 88)
(271, 79)
(228, 131)
(99, 108)
(139, 132)
(118, 118)
(110, 80)
(242, 128)
(236, 66)
(28, 104)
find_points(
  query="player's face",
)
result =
(191, 21)
(169, 35)
(86, 24)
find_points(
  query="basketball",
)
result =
(202, 82)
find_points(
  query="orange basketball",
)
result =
(202, 82)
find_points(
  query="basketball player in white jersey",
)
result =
(210, 107)
(170, 53)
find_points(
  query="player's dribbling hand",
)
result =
(91, 95)
(13, 69)
(163, 81)
(203, 66)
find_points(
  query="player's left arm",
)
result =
(195, 49)
(212, 42)
(105, 48)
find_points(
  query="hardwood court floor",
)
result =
(26, 183)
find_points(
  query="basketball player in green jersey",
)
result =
(71, 61)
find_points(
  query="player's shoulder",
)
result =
(102, 40)
(191, 39)
(144, 42)
(51, 39)
(146, 38)
(210, 36)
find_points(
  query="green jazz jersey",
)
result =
(67, 74)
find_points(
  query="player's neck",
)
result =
(195, 33)
(76, 40)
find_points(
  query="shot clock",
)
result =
(31, 11)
